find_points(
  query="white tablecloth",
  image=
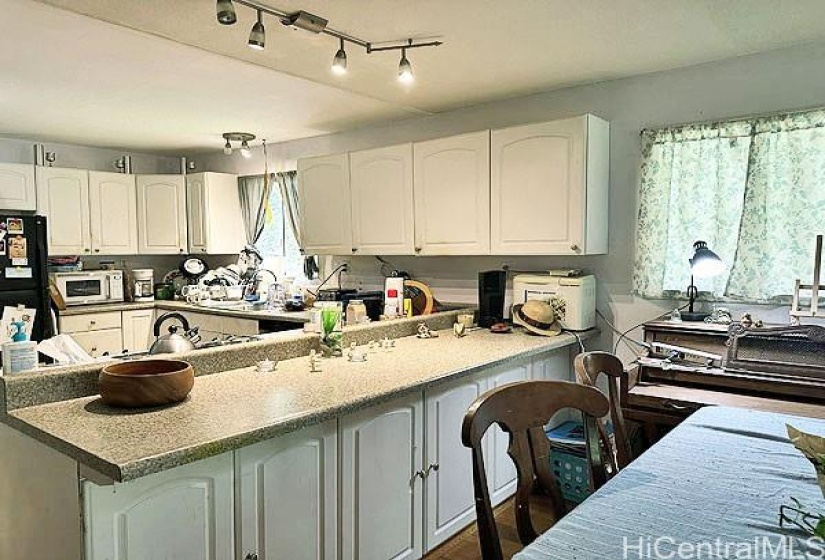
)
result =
(721, 474)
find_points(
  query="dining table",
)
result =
(712, 488)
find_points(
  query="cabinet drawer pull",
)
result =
(251, 556)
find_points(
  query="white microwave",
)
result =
(92, 286)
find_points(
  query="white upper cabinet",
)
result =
(214, 218)
(63, 197)
(17, 190)
(381, 183)
(161, 206)
(549, 188)
(452, 195)
(324, 200)
(113, 210)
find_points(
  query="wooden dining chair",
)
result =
(589, 366)
(522, 409)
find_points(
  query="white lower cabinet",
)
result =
(450, 504)
(137, 329)
(184, 513)
(288, 496)
(381, 482)
(501, 473)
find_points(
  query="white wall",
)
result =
(777, 81)
(13, 150)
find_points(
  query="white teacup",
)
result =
(357, 354)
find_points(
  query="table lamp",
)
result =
(704, 264)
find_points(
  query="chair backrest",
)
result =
(522, 409)
(589, 366)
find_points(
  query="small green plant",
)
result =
(330, 338)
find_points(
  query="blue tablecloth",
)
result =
(722, 474)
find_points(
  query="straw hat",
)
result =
(536, 316)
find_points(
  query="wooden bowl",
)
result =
(146, 383)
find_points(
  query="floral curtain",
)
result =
(753, 189)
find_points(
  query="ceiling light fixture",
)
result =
(315, 24)
(245, 151)
(339, 63)
(257, 37)
(243, 137)
(405, 73)
(226, 12)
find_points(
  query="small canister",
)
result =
(19, 356)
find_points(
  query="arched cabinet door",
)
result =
(382, 482)
(161, 208)
(63, 197)
(17, 190)
(185, 512)
(288, 496)
(324, 203)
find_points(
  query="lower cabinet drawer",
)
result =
(90, 322)
(97, 343)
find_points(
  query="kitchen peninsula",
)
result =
(267, 463)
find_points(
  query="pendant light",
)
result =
(226, 12)
(227, 148)
(245, 151)
(339, 63)
(257, 37)
(405, 73)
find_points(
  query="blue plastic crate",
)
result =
(568, 461)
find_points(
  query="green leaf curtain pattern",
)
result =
(753, 189)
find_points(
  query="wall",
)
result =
(764, 83)
(13, 150)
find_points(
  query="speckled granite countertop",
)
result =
(174, 305)
(232, 409)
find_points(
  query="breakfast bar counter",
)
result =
(232, 409)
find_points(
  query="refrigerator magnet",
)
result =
(20, 262)
(17, 247)
(14, 225)
(2, 246)
(18, 272)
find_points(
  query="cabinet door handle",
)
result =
(355, 249)
(97, 250)
(415, 475)
(251, 556)
(418, 249)
(431, 467)
(92, 322)
(574, 248)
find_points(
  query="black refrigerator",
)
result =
(24, 268)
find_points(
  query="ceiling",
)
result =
(167, 77)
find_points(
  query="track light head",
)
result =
(339, 63)
(245, 151)
(227, 148)
(226, 12)
(257, 37)
(405, 73)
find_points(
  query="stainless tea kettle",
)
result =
(172, 342)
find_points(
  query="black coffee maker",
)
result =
(491, 290)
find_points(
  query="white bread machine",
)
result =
(577, 292)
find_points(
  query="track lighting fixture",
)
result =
(339, 63)
(257, 37)
(405, 73)
(243, 137)
(315, 24)
(226, 12)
